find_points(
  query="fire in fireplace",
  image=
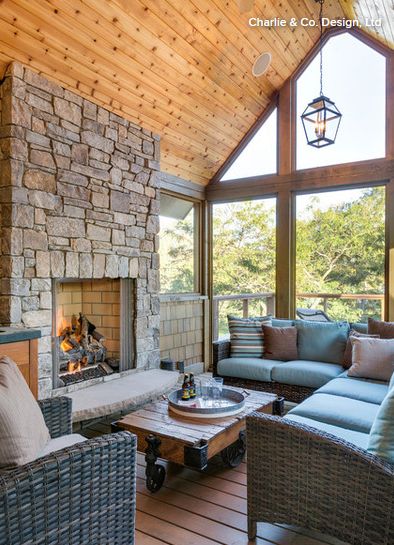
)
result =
(82, 351)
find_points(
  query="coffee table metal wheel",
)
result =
(154, 473)
(233, 455)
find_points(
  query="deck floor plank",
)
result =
(205, 508)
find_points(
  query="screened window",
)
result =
(354, 77)
(340, 262)
(259, 157)
(244, 253)
(178, 245)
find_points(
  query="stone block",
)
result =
(80, 153)
(98, 265)
(65, 227)
(73, 191)
(153, 225)
(61, 134)
(81, 245)
(118, 237)
(43, 83)
(135, 232)
(36, 240)
(100, 200)
(38, 139)
(116, 176)
(91, 172)
(124, 219)
(94, 232)
(61, 149)
(67, 110)
(133, 267)
(45, 365)
(22, 215)
(11, 241)
(41, 284)
(97, 141)
(37, 318)
(45, 300)
(40, 217)
(42, 158)
(62, 162)
(57, 264)
(86, 266)
(39, 103)
(73, 178)
(120, 202)
(30, 303)
(39, 179)
(112, 266)
(123, 267)
(72, 265)
(20, 112)
(45, 344)
(89, 110)
(42, 199)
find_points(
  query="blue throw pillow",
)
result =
(322, 341)
(381, 436)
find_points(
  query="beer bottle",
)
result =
(192, 392)
(186, 388)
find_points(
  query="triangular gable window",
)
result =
(259, 156)
(354, 77)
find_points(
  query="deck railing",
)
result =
(268, 298)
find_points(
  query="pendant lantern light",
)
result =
(321, 118)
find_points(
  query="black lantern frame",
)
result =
(321, 120)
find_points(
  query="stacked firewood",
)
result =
(81, 345)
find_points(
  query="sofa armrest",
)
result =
(80, 494)
(221, 351)
(299, 475)
(57, 415)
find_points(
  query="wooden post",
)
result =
(245, 308)
(285, 256)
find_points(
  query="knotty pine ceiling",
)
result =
(181, 68)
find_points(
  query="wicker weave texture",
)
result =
(296, 394)
(57, 415)
(81, 495)
(299, 475)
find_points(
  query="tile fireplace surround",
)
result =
(79, 200)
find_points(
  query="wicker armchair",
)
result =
(296, 394)
(84, 494)
(301, 476)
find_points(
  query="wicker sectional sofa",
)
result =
(294, 380)
(312, 468)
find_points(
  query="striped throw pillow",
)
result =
(246, 336)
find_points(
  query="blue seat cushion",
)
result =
(322, 341)
(343, 412)
(356, 388)
(381, 438)
(312, 374)
(359, 327)
(247, 368)
(280, 322)
(356, 437)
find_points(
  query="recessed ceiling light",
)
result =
(261, 64)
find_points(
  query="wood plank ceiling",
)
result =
(181, 68)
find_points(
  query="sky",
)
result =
(354, 78)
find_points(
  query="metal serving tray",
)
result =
(229, 403)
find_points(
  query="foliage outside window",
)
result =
(178, 245)
(244, 246)
(341, 252)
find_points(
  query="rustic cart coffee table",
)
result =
(190, 441)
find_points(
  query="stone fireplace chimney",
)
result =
(79, 200)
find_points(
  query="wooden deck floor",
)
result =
(196, 508)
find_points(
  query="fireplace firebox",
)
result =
(92, 329)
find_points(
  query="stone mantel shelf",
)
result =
(15, 334)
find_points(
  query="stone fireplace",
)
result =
(79, 221)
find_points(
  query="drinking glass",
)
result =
(205, 389)
(216, 386)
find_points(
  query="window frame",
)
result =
(197, 244)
